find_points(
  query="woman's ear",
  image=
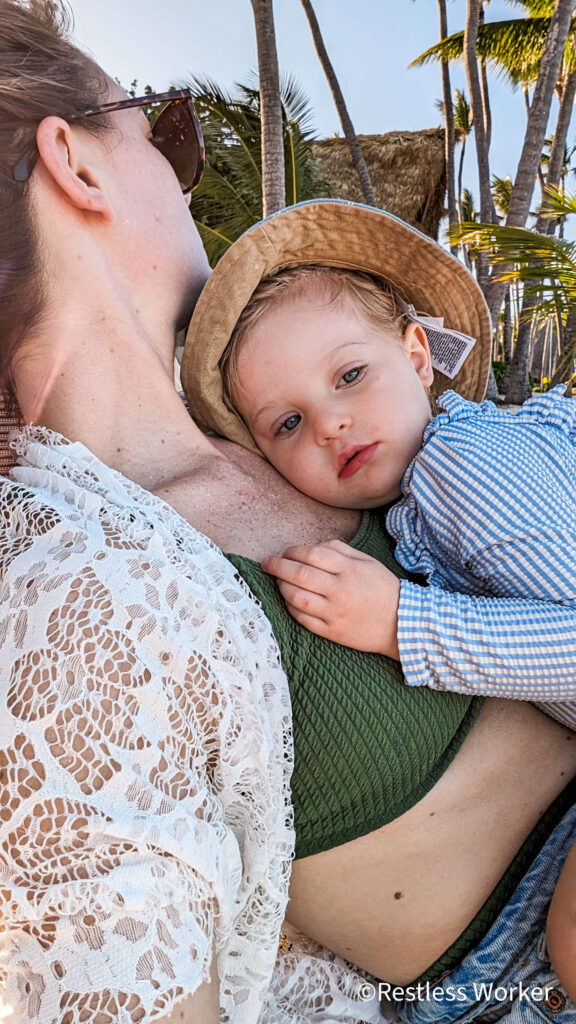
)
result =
(65, 155)
(417, 349)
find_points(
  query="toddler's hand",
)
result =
(340, 593)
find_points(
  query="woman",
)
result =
(145, 727)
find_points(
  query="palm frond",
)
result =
(542, 262)
(536, 8)
(513, 48)
(229, 198)
(557, 203)
(462, 112)
(501, 193)
(467, 205)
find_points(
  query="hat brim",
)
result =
(334, 233)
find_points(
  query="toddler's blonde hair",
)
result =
(373, 299)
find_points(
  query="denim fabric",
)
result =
(499, 980)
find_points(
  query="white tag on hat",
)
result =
(448, 349)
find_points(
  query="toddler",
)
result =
(329, 369)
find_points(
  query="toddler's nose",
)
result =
(330, 425)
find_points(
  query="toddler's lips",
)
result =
(354, 458)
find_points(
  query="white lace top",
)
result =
(145, 760)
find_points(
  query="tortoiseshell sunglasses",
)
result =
(176, 133)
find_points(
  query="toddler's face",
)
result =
(335, 403)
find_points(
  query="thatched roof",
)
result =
(408, 172)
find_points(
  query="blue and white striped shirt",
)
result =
(489, 515)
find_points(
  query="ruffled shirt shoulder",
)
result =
(476, 458)
(551, 408)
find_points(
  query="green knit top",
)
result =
(366, 746)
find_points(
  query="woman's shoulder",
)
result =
(260, 513)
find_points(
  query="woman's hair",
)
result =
(41, 74)
(373, 299)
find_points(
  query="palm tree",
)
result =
(501, 192)
(463, 124)
(515, 48)
(549, 73)
(449, 144)
(338, 96)
(469, 213)
(462, 115)
(487, 212)
(229, 198)
(516, 382)
(566, 91)
(469, 216)
(543, 52)
(544, 264)
(273, 182)
(486, 111)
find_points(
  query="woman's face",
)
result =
(159, 236)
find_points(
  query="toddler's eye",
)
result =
(289, 424)
(351, 375)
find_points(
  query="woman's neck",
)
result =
(103, 384)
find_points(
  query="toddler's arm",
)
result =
(490, 646)
(340, 593)
(561, 926)
(492, 501)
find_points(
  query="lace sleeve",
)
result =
(136, 769)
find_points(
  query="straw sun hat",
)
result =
(334, 233)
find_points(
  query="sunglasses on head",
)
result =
(176, 133)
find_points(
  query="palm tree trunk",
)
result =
(565, 367)
(544, 225)
(487, 212)
(486, 111)
(460, 177)
(345, 120)
(273, 178)
(517, 387)
(539, 114)
(516, 383)
(507, 328)
(449, 138)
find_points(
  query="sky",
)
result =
(370, 42)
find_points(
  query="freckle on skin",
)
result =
(398, 895)
(432, 813)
